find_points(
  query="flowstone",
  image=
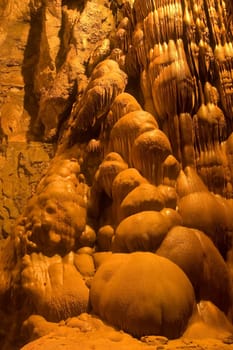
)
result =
(131, 221)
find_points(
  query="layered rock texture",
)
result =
(116, 180)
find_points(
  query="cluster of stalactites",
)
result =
(106, 82)
(183, 52)
(151, 26)
(148, 23)
(133, 133)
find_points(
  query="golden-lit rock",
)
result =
(172, 77)
(203, 211)
(169, 196)
(125, 182)
(88, 237)
(55, 217)
(104, 238)
(111, 166)
(189, 182)
(78, 76)
(100, 258)
(124, 279)
(183, 246)
(145, 230)
(7, 266)
(143, 198)
(84, 264)
(145, 85)
(99, 54)
(171, 170)
(56, 289)
(127, 129)
(36, 326)
(156, 146)
(107, 81)
(57, 100)
(123, 104)
(209, 322)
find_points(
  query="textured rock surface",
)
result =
(143, 294)
(134, 101)
(22, 166)
(14, 31)
(88, 332)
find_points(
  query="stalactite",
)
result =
(127, 129)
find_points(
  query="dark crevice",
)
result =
(31, 59)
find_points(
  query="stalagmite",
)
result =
(127, 129)
(143, 197)
(157, 147)
(108, 170)
(117, 306)
(122, 104)
(124, 183)
(183, 246)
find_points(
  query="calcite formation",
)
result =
(131, 221)
(22, 166)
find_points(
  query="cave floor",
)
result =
(89, 333)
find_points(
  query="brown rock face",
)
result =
(126, 278)
(132, 218)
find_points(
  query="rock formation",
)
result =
(120, 116)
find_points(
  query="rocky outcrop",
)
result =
(22, 166)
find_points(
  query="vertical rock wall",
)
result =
(45, 47)
(21, 168)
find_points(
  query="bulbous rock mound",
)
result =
(144, 231)
(203, 211)
(55, 289)
(143, 294)
(184, 246)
